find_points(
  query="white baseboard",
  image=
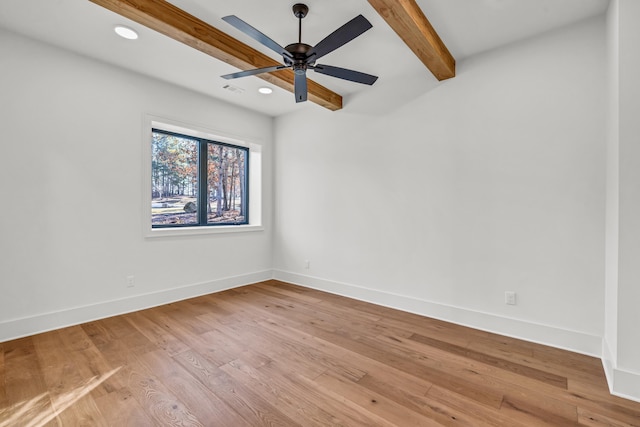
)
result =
(622, 383)
(543, 334)
(17, 328)
(625, 384)
(608, 362)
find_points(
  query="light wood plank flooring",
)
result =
(277, 354)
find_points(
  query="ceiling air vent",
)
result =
(234, 89)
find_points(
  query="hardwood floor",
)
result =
(277, 354)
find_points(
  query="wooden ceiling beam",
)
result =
(162, 16)
(408, 21)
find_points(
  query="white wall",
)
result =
(622, 346)
(610, 340)
(71, 191)
(629, 289)
(493, 181)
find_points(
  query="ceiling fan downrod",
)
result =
(300, 11)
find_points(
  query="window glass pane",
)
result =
(226, 178)
(174, 178)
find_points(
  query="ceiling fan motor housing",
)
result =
(299, 53)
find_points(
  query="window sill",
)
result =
(199, 231)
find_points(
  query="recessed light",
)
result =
(126, 32)
(265, 90)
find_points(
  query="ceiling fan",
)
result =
(301, 57)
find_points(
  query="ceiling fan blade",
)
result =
(256, 35)
(343, 73)
(300, 87)
(253, 72)
(340, 37)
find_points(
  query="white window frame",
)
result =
(255, 177)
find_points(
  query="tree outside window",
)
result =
(197, 182)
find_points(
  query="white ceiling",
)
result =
(467, 27)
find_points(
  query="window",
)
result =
(197, 181)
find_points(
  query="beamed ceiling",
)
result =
(411, 46)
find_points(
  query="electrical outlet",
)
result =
(131, 281)
(510, 298)
(307, 264)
